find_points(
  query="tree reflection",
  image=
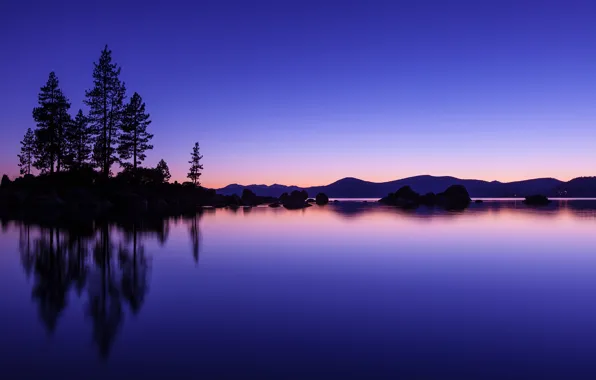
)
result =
(104, 307)
(103, 261)
(51, 278)
(134, 283)
(25, 250)
(195, 235)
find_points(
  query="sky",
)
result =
(305, 92)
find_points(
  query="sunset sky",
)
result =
(307, 92)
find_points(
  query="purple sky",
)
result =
(306, 92)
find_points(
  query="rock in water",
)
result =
(428, 199)
(456, 197)
(296, 200)
(406, 193)
(405, 197)
(322, 199)
(249, 198)
(536, 200)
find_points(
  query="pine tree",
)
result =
(195, 165)
(106, 102)
(163, 168)
(78, 141)
(134, 139)
(52, 118)
(27, 152)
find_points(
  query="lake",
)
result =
(347, 290)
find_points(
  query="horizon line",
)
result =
(403, 178)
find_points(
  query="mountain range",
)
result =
(357, 188)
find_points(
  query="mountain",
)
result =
(357, 188)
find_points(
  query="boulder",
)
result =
(428, 199)
(295, 204)
(296, 200)
(404, 197)
(296, 194)
(536, 200)
(456, 197)
(310, 200)
(249, 198)
(322, 199)
(275, 205)
(406, 193)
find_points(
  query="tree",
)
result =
(78, 142)
(27, 152)
(51, 117)
(106, 103)
(5, 181)
(195, 165)
(162, 167)
(134, 139)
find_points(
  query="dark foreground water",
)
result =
(350, 290)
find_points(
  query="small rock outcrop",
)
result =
(404, 197)
(537, 200)
(249, 198)
(455, 197)
(322, 199)
(296, 200)
(428, 199)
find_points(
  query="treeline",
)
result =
(113, 130)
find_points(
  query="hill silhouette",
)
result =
(356, 188)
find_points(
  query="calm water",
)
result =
(349, 290)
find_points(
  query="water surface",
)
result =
(348, 290)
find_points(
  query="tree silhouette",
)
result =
(134, 139)
(195, 165)
(27, 152)
(78, 142)
(106, 103)
(163, 168)
(52, 118)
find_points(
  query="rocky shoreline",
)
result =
(75, 197)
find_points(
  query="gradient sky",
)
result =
(306, 92)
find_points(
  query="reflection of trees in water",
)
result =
(104, 303)
(51, 277)
(195, 235)
(134, 282)
(59, 260)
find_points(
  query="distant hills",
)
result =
(357, 188)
